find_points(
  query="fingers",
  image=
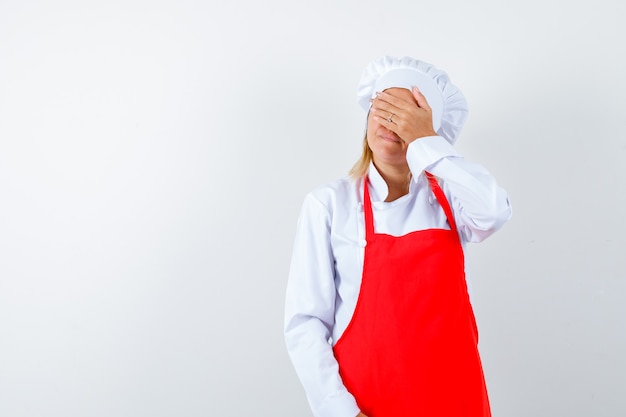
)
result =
(384, 120)
(386, 115)
(389, 102)
(407, 115)
(391, 125)
(386, 107)
(419, 97)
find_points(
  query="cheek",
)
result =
(372, 126)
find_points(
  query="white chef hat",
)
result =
(446, 101)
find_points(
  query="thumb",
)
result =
(419, 97)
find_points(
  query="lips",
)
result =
(388, 138)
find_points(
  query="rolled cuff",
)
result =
(426, 151)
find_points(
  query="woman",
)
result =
(378, 320)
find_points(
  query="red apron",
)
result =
(410, 349)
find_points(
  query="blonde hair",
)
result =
(361, 166)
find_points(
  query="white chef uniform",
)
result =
(327, 261)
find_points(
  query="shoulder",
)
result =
(336, 194)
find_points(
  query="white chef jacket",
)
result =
(327, 260)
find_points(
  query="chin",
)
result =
(389, 157)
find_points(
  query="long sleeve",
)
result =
(329, 248)
(310, 312)
(480, 206)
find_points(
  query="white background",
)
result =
(154, 156)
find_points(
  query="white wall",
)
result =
(154, 155)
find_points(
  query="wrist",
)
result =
(425, 134)
(420, 135)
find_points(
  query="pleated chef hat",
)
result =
(446, 101)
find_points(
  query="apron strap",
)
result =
(367, 209)
(434, 185)
(443, 201)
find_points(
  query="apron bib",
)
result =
(410, 349)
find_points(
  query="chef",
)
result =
(378, 317)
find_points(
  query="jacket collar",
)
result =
(379, 190)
